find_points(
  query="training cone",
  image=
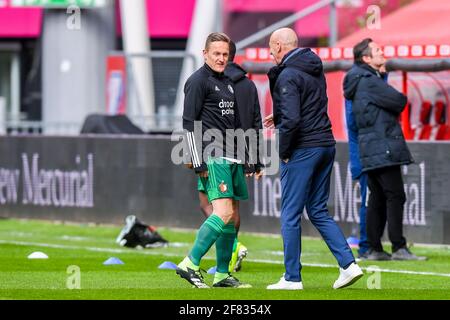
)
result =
(167, 265)
(38, 255)
(353, 242)
(113, 260)
(212, 270)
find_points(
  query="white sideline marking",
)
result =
(63, 246)
(319, 265)
(323, 265)
(74, 238)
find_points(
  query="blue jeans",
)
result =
(363, 243)
(305, 181)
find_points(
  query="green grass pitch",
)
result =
(87, 246)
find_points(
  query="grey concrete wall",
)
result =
(74, 62)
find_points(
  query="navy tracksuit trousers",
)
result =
(305, 181)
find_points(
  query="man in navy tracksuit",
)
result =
(307, 150)
(357, 174)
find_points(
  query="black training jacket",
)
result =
(247, 102)
(209, 98)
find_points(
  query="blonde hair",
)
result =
(216, 36)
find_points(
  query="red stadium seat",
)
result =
(440, 116)
(408, 131)
(425, 112)
(443, 132)
(440, 112)
(425, 117)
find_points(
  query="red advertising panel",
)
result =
(116, 85)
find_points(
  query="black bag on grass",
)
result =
(138, 234)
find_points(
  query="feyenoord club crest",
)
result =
(223, 187)
(230, 88)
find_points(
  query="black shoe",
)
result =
(363, 256)
(194, 277)
(231, 282)
(378, 255)
(405, 254)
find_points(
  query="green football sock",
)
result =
(224, 247)
(208, 233)
(235, 243)
(187, 263)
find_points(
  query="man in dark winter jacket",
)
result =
(357, 174)
(376, 107)
(247, 101)
(307, 150)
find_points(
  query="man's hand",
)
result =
(189, 165)
(259, 174)
(268, 122)
(203, 174)
(382, 68)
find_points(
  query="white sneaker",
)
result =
(283, 284)
(348, 276)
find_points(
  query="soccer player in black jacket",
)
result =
(210, 102)
(247, 101)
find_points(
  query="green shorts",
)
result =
(225, 180)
